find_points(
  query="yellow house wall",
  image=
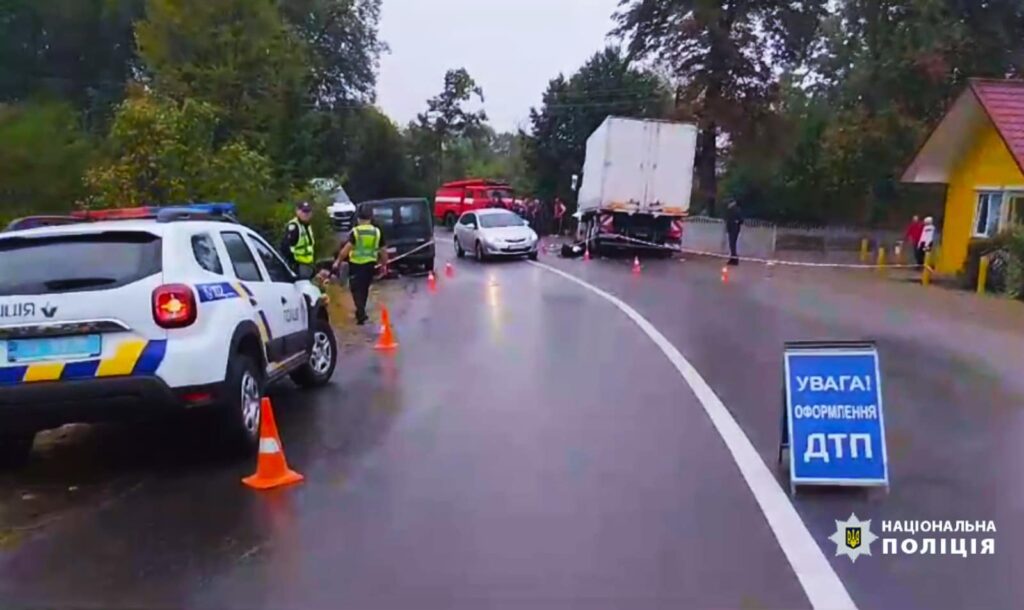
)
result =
(988, 164)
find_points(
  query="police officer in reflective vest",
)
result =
(364, 250)
(299, 246)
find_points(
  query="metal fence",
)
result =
(760, 239)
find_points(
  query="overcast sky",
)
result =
(511, 47)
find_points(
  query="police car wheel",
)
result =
(15, 449)
(323, 356)
(243, 392)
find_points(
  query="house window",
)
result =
(1015, 211)
(987, 214)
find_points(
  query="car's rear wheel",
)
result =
(323, 356)
(459, 252)
(15, 449)
(243, 393)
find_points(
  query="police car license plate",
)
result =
(57, 348)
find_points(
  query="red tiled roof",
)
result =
(1003, 100)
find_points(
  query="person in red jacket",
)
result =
(559, 215)
(913, 234)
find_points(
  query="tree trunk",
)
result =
(707, 160)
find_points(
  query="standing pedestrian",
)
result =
(733, 225)
(913, 234)
(364, 250)
(926, 240)
(298, 246)
(559, 216)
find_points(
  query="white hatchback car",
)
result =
(494, 232)
(122, 313)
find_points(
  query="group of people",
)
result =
(920, 236)
(544, 219)
(364, 252)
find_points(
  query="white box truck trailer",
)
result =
(637, 178)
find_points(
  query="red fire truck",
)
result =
(454, 198)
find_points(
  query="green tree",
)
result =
(43, 154)
(724, 56)
(573, 108)
(160, 151)
(376, 164)
(236, 55)
(78, 51)
(437, 136)
(341, 36)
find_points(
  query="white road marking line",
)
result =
(820, 582)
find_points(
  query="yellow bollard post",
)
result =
(864, 250)
(881, 259)
(926, 273)
(983, 273)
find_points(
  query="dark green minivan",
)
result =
(408, 231)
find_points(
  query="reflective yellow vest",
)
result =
(304, 248)
(367, 243)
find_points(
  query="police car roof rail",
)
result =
(32, 222)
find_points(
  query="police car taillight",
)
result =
(174, 306)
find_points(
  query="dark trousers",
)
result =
(734, 237)
(359, 279)
(919, 253)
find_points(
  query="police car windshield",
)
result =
(495, 221)
(68, 263)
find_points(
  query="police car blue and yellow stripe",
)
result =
(134, 358)
(220, 291)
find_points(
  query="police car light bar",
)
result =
(197, 211)
(161, 213)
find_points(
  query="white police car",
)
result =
(121, 313)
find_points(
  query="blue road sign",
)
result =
(835, 416)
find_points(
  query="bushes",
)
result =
(1015, 264)
(1006, 270)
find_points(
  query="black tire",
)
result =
(240, 415)
(15, 449)
(479, 253)
(532, 256)
(449, 220)
(428, 266)
(459, 252)
(323, 357)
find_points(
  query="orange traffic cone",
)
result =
(449, 271)
(586, 253)
(725, 275)
(636, 265)
(431, 282)
(387, 336)
(271, 467)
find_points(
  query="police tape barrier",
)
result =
(770, 262)
(832, 419)
(405, 254)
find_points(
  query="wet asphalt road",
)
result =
(528, 447)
